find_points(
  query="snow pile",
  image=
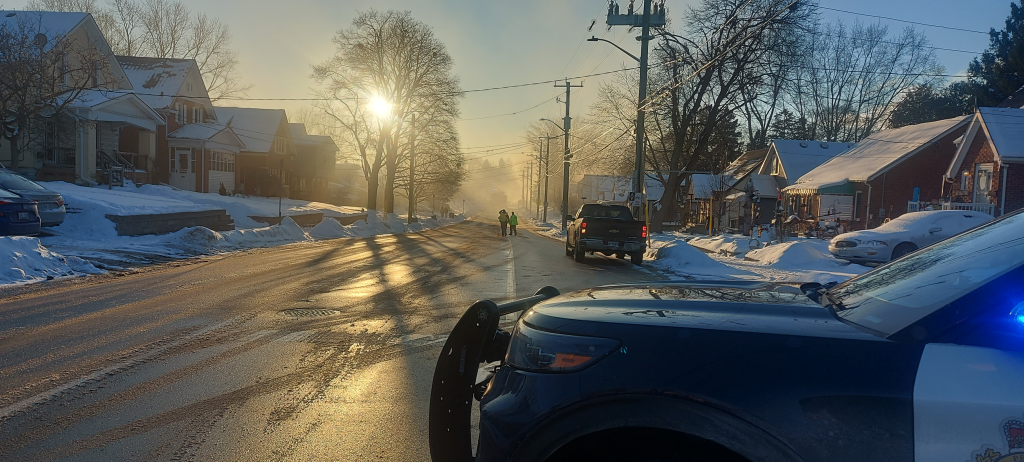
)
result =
(791, 255)
(24, 259)
(548, 229)
(201, 240)
(395, 224)
(725, 244)
(329, 228)
(681, 258)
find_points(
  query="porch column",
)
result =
(85, 153)
(147, 147)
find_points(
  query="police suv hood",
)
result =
(738, 306)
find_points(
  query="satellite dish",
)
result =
(40, 40)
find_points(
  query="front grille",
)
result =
(845, 244)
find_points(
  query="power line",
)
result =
(512, 113)
(903, 20)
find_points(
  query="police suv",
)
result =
(921, 359)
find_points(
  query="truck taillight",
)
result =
(644, 234)
(583, 228)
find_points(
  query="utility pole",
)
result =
(529, 187)
(567, 126)
(412, 171)
(547, 168)
(645, 21)
(540, 160)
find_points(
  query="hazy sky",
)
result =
(496, 43)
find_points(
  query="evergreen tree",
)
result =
(1000, 70)
(925, 103)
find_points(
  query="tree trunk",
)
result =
(372, 184)
(15, 141)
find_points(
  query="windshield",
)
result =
(896, 295)
(14, 181)
(605, 211)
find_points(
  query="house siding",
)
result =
(1014, 187)
(894, 189)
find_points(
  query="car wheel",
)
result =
(577, 253)
(902, 249)
(636, 258)
(568, 248)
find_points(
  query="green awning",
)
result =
(844, 187)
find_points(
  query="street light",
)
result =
(595, 39)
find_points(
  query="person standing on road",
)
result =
(513, 221)
(503, 220)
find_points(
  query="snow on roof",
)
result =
(299, 136)
(744, 164)
(51, 23)
(156, 80)
(256, 127)
(1005, 127)
(203, 131)
(877, 153)
(799, 157)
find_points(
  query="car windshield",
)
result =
(14, 181)
(605, 211)
(896, 295)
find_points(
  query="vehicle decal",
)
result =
(1013, 430)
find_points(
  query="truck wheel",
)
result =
(578, 254)
(568, 249)
(636, 258)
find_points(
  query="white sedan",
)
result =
(904, 235)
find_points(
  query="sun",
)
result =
(380, 106)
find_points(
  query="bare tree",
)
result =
(165, 29)
(42, 74)
(852, 77)
(397, 60)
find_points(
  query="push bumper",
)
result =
(474, 340)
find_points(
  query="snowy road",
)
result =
(312, 351)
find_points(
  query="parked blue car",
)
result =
(18, 216)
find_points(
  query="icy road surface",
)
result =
(309, 351)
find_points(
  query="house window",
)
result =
(197, 115)
(279, 146)
(188, 86)
(192, 162)
(180, 117)
(857, 205)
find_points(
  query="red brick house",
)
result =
(267, 161)
(174, 88)
(987, 172)
(877, 179)
(313, 168)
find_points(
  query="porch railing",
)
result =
(974, 207)
(60, 157)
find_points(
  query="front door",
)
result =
(982, 182)
(183, 169)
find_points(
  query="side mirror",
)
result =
(570, 218)
(934, 230)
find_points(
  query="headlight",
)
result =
(539, 351)
(875, 243)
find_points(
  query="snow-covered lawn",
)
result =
(87, 241)
(701, 257)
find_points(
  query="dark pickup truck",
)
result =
(609, 229)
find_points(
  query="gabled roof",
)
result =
(300, 137)
(745, 164)
(116, 106)
(256, 127)
(877, 154)
(159, 80)
(1004, 132)
(203, 131)
(799, 157)
(51, 23)
(58, 24)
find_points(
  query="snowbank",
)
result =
(681, 258)
(24, 260)
(329, 228)
(200, 240)
(790, 255)
(728, 244)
